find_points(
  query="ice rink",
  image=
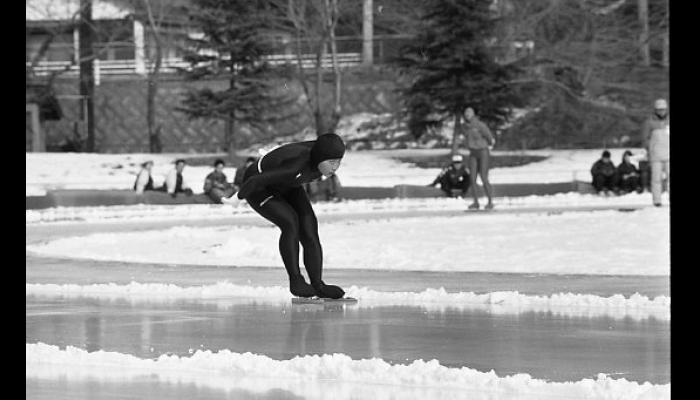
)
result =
(522, 342)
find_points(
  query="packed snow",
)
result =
(601, 242)
(49, 171)
(335, 376)
(145, 212)
(505, 302)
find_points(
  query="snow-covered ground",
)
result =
(603, 242)
(335, 376)
(198, 212)
(46, 171)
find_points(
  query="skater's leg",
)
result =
(656, 179)
(667, 171)
(484, 173)
(313, 252)
(279, 212)
(473, 172)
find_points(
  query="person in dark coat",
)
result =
(453, 177)
(628, 175)
(604, 174)
(215, 184)
(240, 173)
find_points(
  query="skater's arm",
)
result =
(486, 133)
(285, 173)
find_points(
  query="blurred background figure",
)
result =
(479, 139)
(628, 175)
(604, 174)
(656, 134)
(144, 180)
(240, 172)
(216, 185)
(175, 182)
(325, 189)
(454, 178)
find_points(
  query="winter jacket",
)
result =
(454, 175)
(604, 168)
(175, 182)
(625, 169)
(656, 136)
(144, 181)
(215, 179)
(477, 134)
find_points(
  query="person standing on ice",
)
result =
(656, 135)
(274, 188)
(479, 140)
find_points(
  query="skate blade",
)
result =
(319, 300)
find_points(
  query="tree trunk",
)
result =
(643, 8)
(87, 73)
(230, 121)
(665, 62)
(455, 133)
(335, 117)
(367, 33)
(154, 143)
(318, 111)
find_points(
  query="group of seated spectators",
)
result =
(217, 186)
(174, 181)
(625, 178)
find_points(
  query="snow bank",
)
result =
(335, 376)
(602, 242)
(505, 302)
(144, 212)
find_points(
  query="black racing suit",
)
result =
(273, 187)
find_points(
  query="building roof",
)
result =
(52, 10)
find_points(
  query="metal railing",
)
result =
(171, 65)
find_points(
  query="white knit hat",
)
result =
(457, 158)
(660, 104)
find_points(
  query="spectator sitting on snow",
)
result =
(453, 177)
(628, 175)
(144, 181)
(326, 189)
(604, 174)
(215, 184)
(240, 172)
(175, 182)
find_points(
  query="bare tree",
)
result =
(314, 23)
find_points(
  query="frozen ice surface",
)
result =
(541, 344)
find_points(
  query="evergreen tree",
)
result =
(452, 66)
(235, 35)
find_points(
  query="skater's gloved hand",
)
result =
(250, 186)
(233, 200)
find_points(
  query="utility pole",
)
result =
(87, 73)
(367, 33)
(643, 8)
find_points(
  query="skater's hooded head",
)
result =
(327, 152)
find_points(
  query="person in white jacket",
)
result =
(175, 182)
(144, 181)
(656, 135)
